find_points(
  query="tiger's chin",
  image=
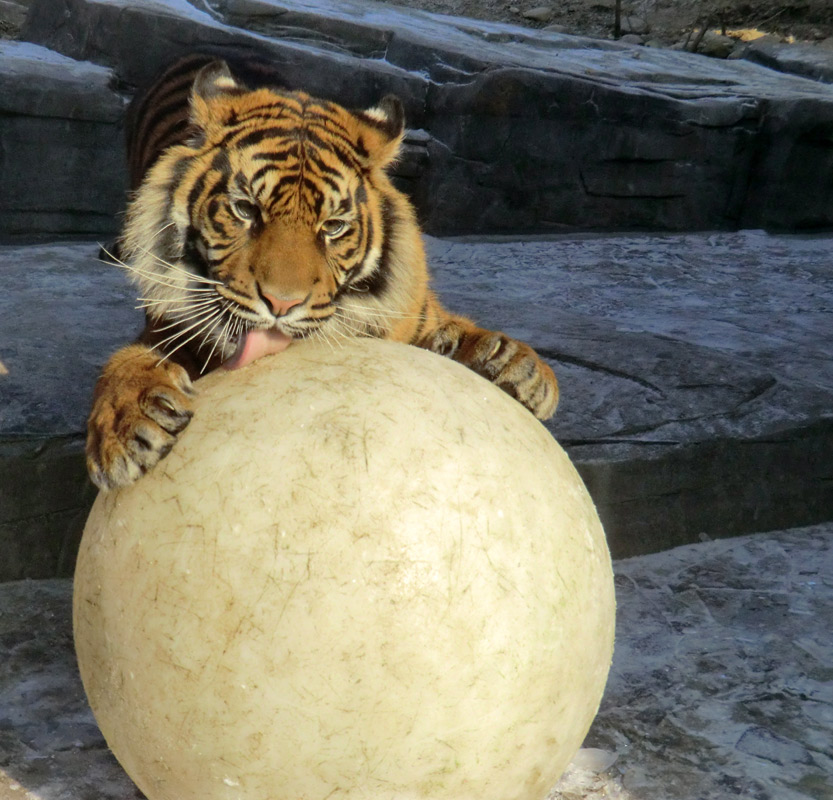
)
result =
(255, 344)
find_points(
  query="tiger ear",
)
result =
(210, 93)
(382, 129)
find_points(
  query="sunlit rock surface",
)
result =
(516, 130)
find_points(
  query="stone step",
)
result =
(695, 373)
(520, 130)
(62, 168)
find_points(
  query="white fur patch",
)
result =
(377, 113)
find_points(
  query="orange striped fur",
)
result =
(259, 209)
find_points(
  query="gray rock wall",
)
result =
(61, 155)
(518, 131)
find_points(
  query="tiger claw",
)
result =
(508, 363)
(140, 407)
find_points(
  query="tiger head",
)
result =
(275, 216)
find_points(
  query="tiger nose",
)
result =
(280, 306)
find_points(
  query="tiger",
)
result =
(261, 215)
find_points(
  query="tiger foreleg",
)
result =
(140, 405)
(508, 363)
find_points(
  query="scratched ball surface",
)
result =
(362, 572)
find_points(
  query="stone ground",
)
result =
(721, 685)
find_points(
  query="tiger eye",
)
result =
(333, 228)
(245, 210)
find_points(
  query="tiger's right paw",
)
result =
(140, 406)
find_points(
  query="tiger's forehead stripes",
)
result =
(297, 173)
(277, 137)
(265, 115)
(290, 152)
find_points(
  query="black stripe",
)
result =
(196, 190)
(255, 137)
(221, 163)
(191, 255)
(168, 243)
(348, 155)
(152, 104)
(240, 182)
(321, 167)
(330, 182)
(348, 254)
(311, 188)
(276, 156)
(361, 150)
(267, 110)
(149, 124)
(288, 175)
(423, 318)
(327, 120)
(288, 179)
(377, 282)
(221, 246)
(141, 159)
(178, 174)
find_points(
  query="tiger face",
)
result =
(270, 222)
(262, 216)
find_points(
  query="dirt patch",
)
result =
(660, 22)
(663, 23)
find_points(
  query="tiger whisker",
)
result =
(356, 324)
(180, 318)
(155, 278)
(371, 312)
(320, 333)
(179, 268)
(180, 287)
(378, 312)
(222, 337)
(353, 329)
(181, 313)
(174, 307)
(200, 330)
(200, 324)
(156, 301)
(164, 228)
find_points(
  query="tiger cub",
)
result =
(263, 216)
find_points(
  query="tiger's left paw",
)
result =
(512, 365)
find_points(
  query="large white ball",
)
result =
(363, 573)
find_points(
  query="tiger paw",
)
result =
(512, 365)
(140, 406)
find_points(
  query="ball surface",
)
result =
(362, 572)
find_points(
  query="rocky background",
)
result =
(661, 23)
(684, 405)
(696, 376)
(657, 23)
(514, 129)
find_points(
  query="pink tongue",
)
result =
(255, 344)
